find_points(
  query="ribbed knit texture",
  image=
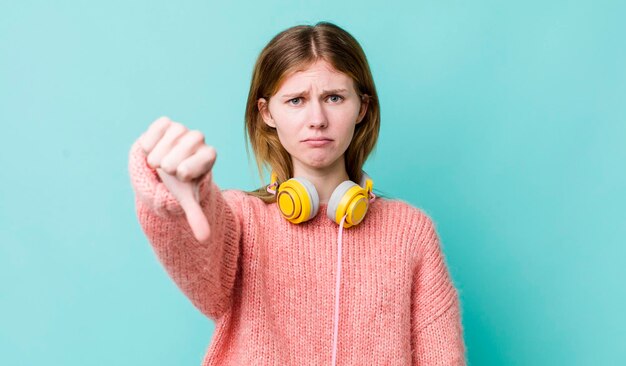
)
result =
(269, 285)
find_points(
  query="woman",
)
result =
(284, 284)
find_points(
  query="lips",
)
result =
(317, 139)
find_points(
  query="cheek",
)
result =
(349, 113)
(288, 124)
(280, 113)
(283, 136)
(346, 120)
(287, 135)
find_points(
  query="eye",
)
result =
(335, 98)
(295, 101)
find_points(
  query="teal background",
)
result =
(505, 121)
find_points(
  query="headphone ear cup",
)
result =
(312, 197)
(335, 198)
(347, 199)
(297, 200)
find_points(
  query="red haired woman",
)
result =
(284, 284)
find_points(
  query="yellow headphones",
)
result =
(298, 201)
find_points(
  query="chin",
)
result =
(316, 159)
(321, 163)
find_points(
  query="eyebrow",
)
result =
(332, 91)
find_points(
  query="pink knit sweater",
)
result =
(269, 285)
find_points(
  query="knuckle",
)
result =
(209, 151)
(196, 135)
(161, 122)
(213, 153)
(152, 161)
(168, 166)
(169, 170)
(177, 127)
(209, 154)
(183, 173)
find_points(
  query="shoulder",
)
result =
(417, 224)
(403, 212)
(242, 199)
(233, 194)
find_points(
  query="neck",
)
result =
(325, 180)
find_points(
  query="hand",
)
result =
(182, 159)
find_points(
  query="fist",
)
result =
(181, 159)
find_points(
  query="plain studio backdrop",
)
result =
(504, 121)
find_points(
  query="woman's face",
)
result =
(315, 112)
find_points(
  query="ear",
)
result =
(264, 110)
(365, 101)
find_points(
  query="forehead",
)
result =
(319, 74)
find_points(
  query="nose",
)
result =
(317, 115)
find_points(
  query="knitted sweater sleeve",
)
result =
(436, 329)
(205, 273)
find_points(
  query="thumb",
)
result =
(196, 218)
(187, 194)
